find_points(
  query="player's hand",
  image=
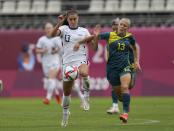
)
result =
(76, 46)
(97, 29)
(60, 20)
(45, 50)
(54, 51)
(137, 67)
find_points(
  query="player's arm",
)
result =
(136, 53)
(39, 50)
(56, 31)
(86, 39)
(91, 40)
(94, 43)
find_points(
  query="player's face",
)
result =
(123, 27)
(48, 29)
(115, 27)
(73, 20)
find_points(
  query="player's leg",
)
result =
(83, 70)
(114, 109)
(67, 88)
(53, 74)
(79, 93)
(47, 84)
(125, 81)
(133, 80)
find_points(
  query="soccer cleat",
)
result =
(59, 99)
(86, 105)
(113, 110)
(124, 117)
(64, 122)
(46, 101)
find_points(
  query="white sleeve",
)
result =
(39, 43)
(87, 33)
(62, 28)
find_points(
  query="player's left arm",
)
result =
(136, 52)
(94, 42)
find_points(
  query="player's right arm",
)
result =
(56, 31)
(39, 46)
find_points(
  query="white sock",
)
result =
(66, 103)
(86, 86)
(115, 105)
(45, 83)
(50, 89)
(77, 89)
(56, 91)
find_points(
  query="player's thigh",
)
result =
(133, 80)
(125, 80)
(83, 70)
(113, 77)
(53, 73)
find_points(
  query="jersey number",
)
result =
(67, 38)
(121, 46)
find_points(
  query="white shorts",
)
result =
(47, 68)
(74, 63)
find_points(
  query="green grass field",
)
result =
(29, 114)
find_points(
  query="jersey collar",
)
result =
(73, 28)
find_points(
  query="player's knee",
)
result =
(84, 74)
(124, 88)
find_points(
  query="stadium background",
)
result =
(152, 25)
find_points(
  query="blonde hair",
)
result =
(128, 20)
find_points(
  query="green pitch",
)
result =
(30, 114)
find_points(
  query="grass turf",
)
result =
(30, 114)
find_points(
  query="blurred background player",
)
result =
(50, 47)
(71, 33)
(26, 59)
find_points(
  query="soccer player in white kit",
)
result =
(70, 34)
(50, 47)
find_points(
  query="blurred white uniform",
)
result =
(50, 61)
(69, 38)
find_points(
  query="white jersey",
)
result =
(69, 38)
(48, 43)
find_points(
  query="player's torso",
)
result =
(118, 48)
(48, 58)
(70, 37)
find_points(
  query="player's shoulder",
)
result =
(64, 27)
(42, 38)
(129, 34)
(82, 28)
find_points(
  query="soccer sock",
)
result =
(66, 103)
(86, 86)
(45, 83)
(126, 102)
(50, 89)
(114, 98)
(56, 91)
(77, 89)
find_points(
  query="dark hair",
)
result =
(25, 48)
(69, 12)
